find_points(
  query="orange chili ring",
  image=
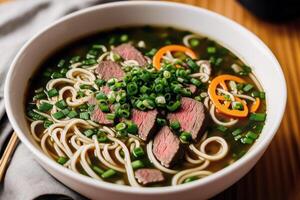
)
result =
(217, 99)
(160, 53)
(254, 107)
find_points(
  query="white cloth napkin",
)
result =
(19, 20)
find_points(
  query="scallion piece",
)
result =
(47, 123)
(121, 126)
(248, 87)
(61, 63)
(101, 96)
(237, 132)
(196, 82)
(175, 125)
(222, 128)
(104, 107)
(72, 114)
(161, 121)
(194, 42)
(190, 179)
(259, 117)
(111, 116)
(185, 137)
(124, 38)
(211, 50)
(131, 127)
(137, 164)
(58, 115)
(61, 104)
(246, 140)
(84, 115)
(52, 93)
(138, 152)
(88, 132)
(108, 173)
(44, 107)
(173, 106)
(62, 160)
(132, 88)
(251, 135)
(98, 170)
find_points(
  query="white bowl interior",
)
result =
(237, 39)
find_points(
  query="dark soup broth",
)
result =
(145, 106)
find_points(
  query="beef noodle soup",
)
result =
(145, 107)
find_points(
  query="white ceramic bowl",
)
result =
(233, 36)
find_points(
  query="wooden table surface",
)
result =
(277, 174)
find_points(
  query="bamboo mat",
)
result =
(277, 174)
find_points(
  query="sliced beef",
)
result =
(146, 122)
(97, 115)
(129, 52)
(167, 148)
(108, 69)
(192, 116)
(148, 176)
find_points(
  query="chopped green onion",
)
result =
(144, 89)
(52, 93)
(65, 111)
(211, 50)
(99, 82)
(131, 127)
(160, 100)
(222, 128)
(237, 132)
(246, 140)
(237, 105)
(259, 117)
(40, 95)
(248, 87)
(75, 59)
(132, 88)
(262, 95)
(173, 106)
(47, 123)
(101, 96)
(88, 132)
(84, 115)
(151, 53)
(137, 164)
(138, 152)
(104, 107)
(108, 173)
(121, 126)
(167, 74)
(61, 104)
(190, 179)
(62, 160)
(58, 115)
(161, 121)
(72, 114)
(98, 170)
(55, 75)
(124, 38)
(192, 65)
(35, 116)
(111, 116)
(44, 107)
(185, 137)
(61, 63)
(196, 82)
(194, 42)
(175, 125)
(251, 135)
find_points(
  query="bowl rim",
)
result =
(145, 190)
